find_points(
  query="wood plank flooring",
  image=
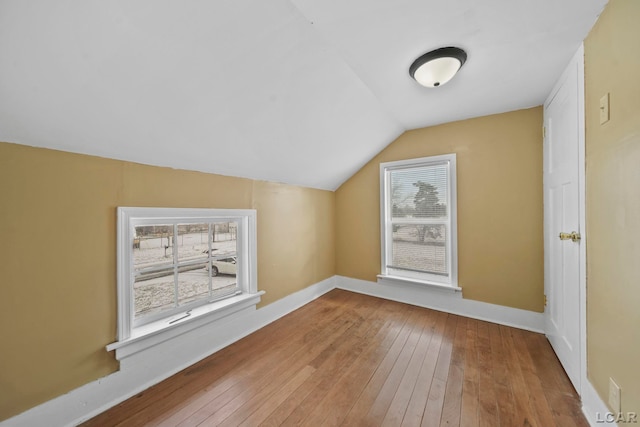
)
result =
(354, 360)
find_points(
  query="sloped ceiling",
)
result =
(297, 91)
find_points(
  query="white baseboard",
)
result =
(593, 407)
(142, 370)
(445, 300)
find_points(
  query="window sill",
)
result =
(154, 333)
(390, 280)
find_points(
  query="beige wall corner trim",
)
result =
(142, 370)
(593, 407)
(449, 302)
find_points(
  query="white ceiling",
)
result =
(297, 91)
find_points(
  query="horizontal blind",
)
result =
(420, 192)
(418, 205)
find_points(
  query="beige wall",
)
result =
(612, 64)
(500, 239)
(58, 256)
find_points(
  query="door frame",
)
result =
(577, 64)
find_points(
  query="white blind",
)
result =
(420, 192)
(418, 204)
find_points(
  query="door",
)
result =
(563, 117)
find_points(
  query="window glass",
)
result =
(419, 225)
(192, 242)
(152, 245)
(154, 292)
(420, 247)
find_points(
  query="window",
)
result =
(174, 264)
(418, 218)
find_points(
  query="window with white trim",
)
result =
(418, 218)
(174, 264)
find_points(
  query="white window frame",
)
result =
(386, 224)
(132, 333)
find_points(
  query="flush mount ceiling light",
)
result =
(437, 67)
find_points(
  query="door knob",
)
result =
(573, 236)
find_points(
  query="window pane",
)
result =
(420, 247)
(152, 245)
(192, 242)
(224, 275)
(193, 281)
(224, 265)
(224, 247)
(224, 285)
(193, 284)
(224, 236)
(419, 192)
(154, 292)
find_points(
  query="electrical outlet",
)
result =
(614, 396)
(604, 109)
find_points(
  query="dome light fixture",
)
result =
(437, 67)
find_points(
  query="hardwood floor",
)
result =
(354, 360)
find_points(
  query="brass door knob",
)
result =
(573, 236)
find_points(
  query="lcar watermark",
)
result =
(619, 417)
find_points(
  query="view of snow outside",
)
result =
(154, 288)
(427, 255)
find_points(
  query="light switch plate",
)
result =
(604, 109)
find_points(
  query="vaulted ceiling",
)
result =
(297, 91)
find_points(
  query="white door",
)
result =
(563, 117)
